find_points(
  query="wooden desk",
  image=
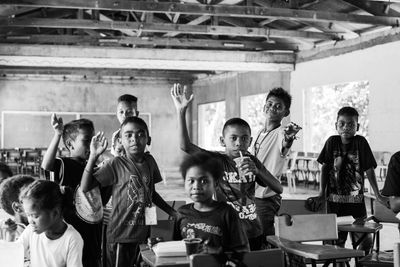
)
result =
(327, 253)
(151, 259)
(382, 259)
(365, 228)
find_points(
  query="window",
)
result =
(211, 121)
(251, 110)
(322, 104)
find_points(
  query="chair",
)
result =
(14, 160)
(291, 171)
(261, 258)
(31, 160)
(291, 231)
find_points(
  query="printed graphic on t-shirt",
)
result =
(239, 193)
(346, 181)
(136, 200)
(190, 228)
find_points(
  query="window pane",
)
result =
(251, 110)
(211, 121)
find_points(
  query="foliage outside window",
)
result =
(324, 103)
(211, 121)
(251, 110)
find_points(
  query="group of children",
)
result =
(235, 193)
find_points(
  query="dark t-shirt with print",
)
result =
(221, 227)
(347, 164)
(239, 192)
(392, 181)
(68, 172)
(133, 187)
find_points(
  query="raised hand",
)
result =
(98, 144)
(291, 130)
(57, 124)
(179, 96)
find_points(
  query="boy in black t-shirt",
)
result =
(241, 169)
(216, 223)
(344, 158)
(68, 171)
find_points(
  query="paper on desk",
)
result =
(344, 220)
(170, 249)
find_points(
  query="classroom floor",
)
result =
(173, 189)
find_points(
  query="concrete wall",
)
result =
(79, 96)
(378, 65)
(230, 87)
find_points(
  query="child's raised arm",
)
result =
(50, 155)
(97, 146)
(181, 102)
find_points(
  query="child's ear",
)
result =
(222, 141)
(336, 126)
(358, 126)
(149, 141)
(17, 207)
(264, 108)
(69, 145)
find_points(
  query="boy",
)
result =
(132, 177)
(344, 158)
(9, 201)
(216, 223)
(271, 147)
(126, 107)
(68, 171)
(238, 183)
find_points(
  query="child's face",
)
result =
(275, 109)
(41, 220)
(80, 147)
(346, 126)
(125, 110)
(236, 139)
(134, 139)
(199, 184)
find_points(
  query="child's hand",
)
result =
(179, 97)
(98, 144)
(57, 124)
(291, 130)
(247, 166)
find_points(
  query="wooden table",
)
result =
(151, 259)
(313, 252)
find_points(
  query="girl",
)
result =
(216, 223)
(49, 241)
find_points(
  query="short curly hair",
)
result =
(10, 190)
(206, 162)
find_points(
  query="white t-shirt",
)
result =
(268, 149)
(65, 251)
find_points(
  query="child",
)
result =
(68, 172)
(271, 147)
(49, 241)
(132, 177)
(391, 187)
(344, 158)
(9, 200)
(127, 107)
(238, 183)
(216, 223)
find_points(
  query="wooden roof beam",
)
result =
(212, 10)
(196, 21)
(13, 55)
(164, 27)
(147, 41)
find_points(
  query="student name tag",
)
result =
(150, 215)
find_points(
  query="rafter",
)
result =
(196, 21)
(218, 10)
(173, 28)
(147, 41)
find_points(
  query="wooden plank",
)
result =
(93, 39)
(196, 21)
(346, 46)
(6, 11)
(212, 10)
(164, 27)
(142, 58)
